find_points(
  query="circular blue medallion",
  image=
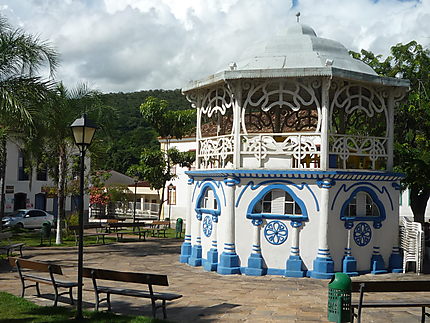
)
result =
(276, 232)
(207, 226)
(362, 234)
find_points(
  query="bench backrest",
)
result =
(129, 277)
(391, 286)
(165, 223)
(35, 265)
(86, 226)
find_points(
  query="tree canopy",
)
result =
(412, 117)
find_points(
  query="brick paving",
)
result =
(207, 296)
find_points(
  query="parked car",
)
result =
(27, 218)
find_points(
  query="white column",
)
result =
(256, 246)
(236, 123)
(295, 248)
(324, 158)
(186, 245)
(390, 142)
(323, 265)
(229, 261)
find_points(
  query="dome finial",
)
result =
(298, 16)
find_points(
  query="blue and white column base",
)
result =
(211, 262)
(185, 250)
(196, 255)
(396, 262)
(349, 266)
(377, 264)
(323, 265)
(295, 267)
(228, 263)
(255, 265)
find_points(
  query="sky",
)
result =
(133, 45)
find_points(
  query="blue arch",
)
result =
(199, 210)
(263, 192)
(376, 219)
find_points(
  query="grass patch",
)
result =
(16, 309)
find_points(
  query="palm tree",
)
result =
(21, 56)
(62, 109)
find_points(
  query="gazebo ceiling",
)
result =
(297, 52)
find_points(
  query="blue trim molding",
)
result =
(199, 210)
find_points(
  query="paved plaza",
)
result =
(207, 297)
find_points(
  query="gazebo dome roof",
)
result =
(299, 47)
(297, 52)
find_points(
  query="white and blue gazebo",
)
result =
(294, 164)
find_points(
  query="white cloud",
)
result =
(131, 45)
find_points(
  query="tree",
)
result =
(412, 118)
(22, 55)
(62, 109)
(155, 166)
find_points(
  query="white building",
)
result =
(294, 164)
(24, 191)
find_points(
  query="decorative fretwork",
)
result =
(350, 148)
(216, 113)
(281, 106)
(297, 150)
(215, 152)
(357, 110)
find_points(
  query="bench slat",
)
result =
(391, 286)
(138, 293)
(153, 279)
(34, 265)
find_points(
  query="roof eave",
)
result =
(224, 76)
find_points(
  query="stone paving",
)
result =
(207, 297)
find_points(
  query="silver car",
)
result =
(27, 218)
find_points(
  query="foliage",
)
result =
(412, 118)
(98, 196)
(128, 133)
(21, 91)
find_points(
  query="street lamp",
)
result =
(83, 133)
(169, 192)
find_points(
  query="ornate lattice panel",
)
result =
(277, 106)
(296, 150)
(358, 126)
(215, 152)
(216, 113)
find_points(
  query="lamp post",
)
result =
(169, 193)
(83, 133)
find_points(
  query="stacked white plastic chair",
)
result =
(412, 243)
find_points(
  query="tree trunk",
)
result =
(3, 161)
(62, 168)
(419, 199)
(161, 202)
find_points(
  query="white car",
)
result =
(27, 218)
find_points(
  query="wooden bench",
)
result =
(160, 227)
(25, 272)
(99, 231)
(10, 247)
(130, 277)
(138, 229)
(395, 286)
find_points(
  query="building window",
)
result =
(22, 174)
(278, 202)
(172, 195)
(362, 204)
(209, 201)
(42, 174)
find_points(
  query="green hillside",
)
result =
(120, 144)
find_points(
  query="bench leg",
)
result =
(423, 314)
(108, 301)
(56, 295)
(154, 308)
(164, 309)
(97, 301)
(37, 289)
(20, 251)
(71, 296)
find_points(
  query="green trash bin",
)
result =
(179, 224)
(339, 298)
(45, 232)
